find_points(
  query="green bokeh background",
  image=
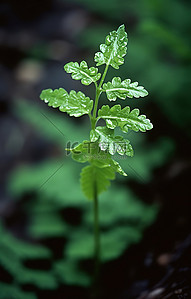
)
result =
(46, 218)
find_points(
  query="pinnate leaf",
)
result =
(124, 118)
(74, 103)
(95, 177)
(82, 72)
(108, 141)
(114, 49)
(122, 89)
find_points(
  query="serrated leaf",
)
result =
(108, 141)
(95, 177)
(114, 49)
(122, 89)
(88, 151)
(124, 118)
(118, 168)
(74, 103)
(82, 72)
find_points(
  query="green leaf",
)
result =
(108, 141)
(88, 151)
(118, 168)
(117, 89)
(82, 72)
(95, 177)
(105, 160)
(74, 103)
(114, 49)
(124, 118)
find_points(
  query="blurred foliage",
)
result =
(13, 254)
(14, 292)
(56, 189)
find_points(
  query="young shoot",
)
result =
(98, 151)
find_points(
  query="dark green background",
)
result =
(46, 223)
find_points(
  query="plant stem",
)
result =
(98, 93)
(95, 291)
(93, 118)
(103, 76)
(96, 233)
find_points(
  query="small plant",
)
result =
(103, 143)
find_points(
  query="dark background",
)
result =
(46, 224)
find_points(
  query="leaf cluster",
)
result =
(103, 142)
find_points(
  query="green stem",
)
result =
(93, 119)
(95, 291)
(96, 232)
(98, 93)
(103, 76)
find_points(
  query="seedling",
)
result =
(103, 143)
